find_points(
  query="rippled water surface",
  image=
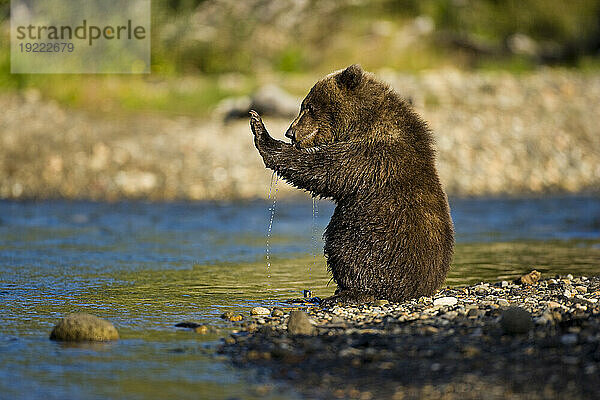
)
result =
(148, 266)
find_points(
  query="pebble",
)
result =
(417, 340)
(503, 303)
(531, 278)
(260, 311)
(445, 301)
(569, 339)
(83, 327)
(300, 324)
(230, 316)
(277, 312)
(227, 315)
(202, 329)
(581, 289)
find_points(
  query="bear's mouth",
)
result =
(299, 143)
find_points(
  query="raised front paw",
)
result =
(258, 128)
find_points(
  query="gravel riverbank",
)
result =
(495, 133)
(495, 341)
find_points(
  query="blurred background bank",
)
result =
(510, 88)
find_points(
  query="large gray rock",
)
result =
(273, 100)
(80, 327)
(268, 100)
(300, 324)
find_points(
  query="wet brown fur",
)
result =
(359, 143)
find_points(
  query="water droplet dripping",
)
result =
(315, 217)
(272, 196)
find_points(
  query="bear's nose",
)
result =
(290, 134)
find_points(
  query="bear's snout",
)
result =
(290, 133)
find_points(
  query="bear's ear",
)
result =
(350, 77)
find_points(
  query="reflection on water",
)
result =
(149, 266)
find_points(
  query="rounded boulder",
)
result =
(81, 327)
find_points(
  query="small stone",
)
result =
(187, 324)
(202, 329)
(567, 294)
(300, 324)
(581, 289)
(553, 304)
(260, 311)
(227, 315)
(503, 303)
(450, 315)
(435, 367)
(471, 351)
(473, 312)
(84, 327)
(590, 369)
(531, 278)
(430, 330)
(516, 320)
(262, 390)
(381, 302)
(569, 339)
(504, 284)
(277, 312)
(482, 289)
(570, 277)
(229, 340)
(445, 301)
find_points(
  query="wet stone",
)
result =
(84, 327)
(227, 315)
(277, 312)
(202, 329)
(230, 316)
(445, 301)
(531, 278)
(260, 311)
(503, 303)
(188, 324)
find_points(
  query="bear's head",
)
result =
(339, 107)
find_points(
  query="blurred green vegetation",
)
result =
(204, 51)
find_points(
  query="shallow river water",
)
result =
(148, 266)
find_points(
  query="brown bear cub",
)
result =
(359, 143)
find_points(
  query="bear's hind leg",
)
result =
(347, 297)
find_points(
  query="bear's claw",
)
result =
(256, 123)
